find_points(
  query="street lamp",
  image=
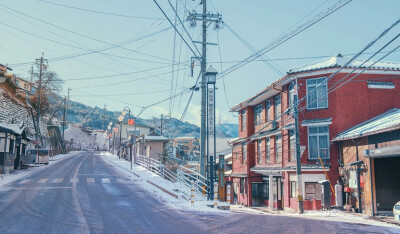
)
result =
(211, 76)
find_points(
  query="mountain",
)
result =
(98, 118)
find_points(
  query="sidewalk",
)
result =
(22, 173)
(171, 194)
(330, 215)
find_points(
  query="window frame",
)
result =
(265, 187)
(278, 113)
(292, 146)
(267, 110)
(324, 83)
(276, 148)
(244, 152)
(318, 135)
(243, 123)
(291, 97)
(317, 194)
(259, 159)
(268, 150)
(293, 191)
(257, 114)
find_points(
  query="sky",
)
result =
(121, 53)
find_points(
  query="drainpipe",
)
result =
(372, 190)
(358, 182)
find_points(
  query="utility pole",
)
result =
(40, 61)
(31, 84)
(63, 125)
(298, 162)
(204, 18)
(161, 127)
(203, 131)
(66, 118)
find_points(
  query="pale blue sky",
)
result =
(259, 22)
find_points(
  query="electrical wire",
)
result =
(100, 12)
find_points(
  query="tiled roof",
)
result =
(385, 122)
(316, 121)
(340, 61)
(14, 128)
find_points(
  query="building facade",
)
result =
(333, 95)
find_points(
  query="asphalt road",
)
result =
(83, 194)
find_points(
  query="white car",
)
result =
(396, 211)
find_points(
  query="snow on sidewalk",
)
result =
(142, 177)
(329, 215)
(19, 174)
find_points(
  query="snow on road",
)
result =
(19, 174)
(141, 176)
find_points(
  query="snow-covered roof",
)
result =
(155, 138)
(15, 128)
(341, 61)
(184, 138)
(385, 122)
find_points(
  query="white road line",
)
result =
(90, 180)
(25, 181)
(58, 180)
(41, 181)
(122, 181)
(74, 180)
(105, 180)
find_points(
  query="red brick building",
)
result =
(263, 157)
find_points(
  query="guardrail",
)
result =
(181, 175)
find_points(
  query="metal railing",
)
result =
(182, 175)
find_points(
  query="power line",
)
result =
(180, 35)
(286, 37)
(100, 12)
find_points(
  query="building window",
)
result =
(318, 142)
(291, 97)
(292, 146)
(259, 151)
(277, 107)
(266, 189)
(243, 120)
(267, 108)
(244, 152)
(317, 93)
(293, 189)
(278, 148)
(242, 185)
(11, 146)
(257, 114)
(268, 149)
(313, 190)
(237, 156)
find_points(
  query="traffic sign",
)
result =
(131, 122)
(36, 142)
(115, 129)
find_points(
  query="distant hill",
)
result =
(96, 118)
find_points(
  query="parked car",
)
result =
(32, 155)
(396, 211)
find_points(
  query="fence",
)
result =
(183, 176)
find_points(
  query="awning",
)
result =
(385, 152)
(316, 122)
(266, 134)
(235, 174)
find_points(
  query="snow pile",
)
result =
(152, 183)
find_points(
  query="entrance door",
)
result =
(256, 194)
(387, 179)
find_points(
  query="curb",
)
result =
(163, 189)
(122, 167)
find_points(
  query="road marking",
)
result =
(58, 180)
(74, 180)
(105, 180)
(90, 180)
(25, 181)
(122, 181)
(24, 188)
(41, 181)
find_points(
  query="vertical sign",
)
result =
(210, 121)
